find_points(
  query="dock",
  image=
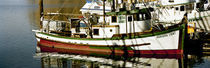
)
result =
(206, 44)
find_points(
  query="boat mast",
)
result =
(104, 22)
(41, 8)
(41, 12)
(113, 5)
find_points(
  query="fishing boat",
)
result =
(172, 11)
(120, 31)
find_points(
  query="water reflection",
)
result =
(53, 60)
(56, 60)
(59, 60)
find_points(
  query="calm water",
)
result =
(18, 43)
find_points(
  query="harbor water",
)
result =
(18, 45)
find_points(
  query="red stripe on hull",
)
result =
(50, 46)
(160, 51)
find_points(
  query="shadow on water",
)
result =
(195, 56)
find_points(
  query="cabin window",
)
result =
(95, 31)
(74, 23)
(197, 5)
(177, 8)
(206, 2)
(142, 16)
(121, 19)
(110, 30)
(182, 8)
(114, 19)
(171, 0)
(147, 16)
(136, 17)
(129, 18)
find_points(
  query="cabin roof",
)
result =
(135, 11)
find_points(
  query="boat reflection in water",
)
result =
(57, 60)
(52, 60)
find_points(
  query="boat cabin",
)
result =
(123, 21)
(174, 10)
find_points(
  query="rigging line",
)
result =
(150, 15)
(53, 17)
(202, 5)
(199, 12)
(164, 10)
(58, 11)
